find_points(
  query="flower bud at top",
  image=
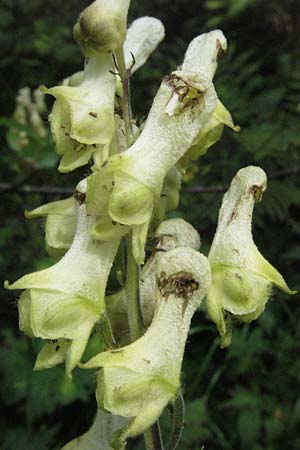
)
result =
(101, 27)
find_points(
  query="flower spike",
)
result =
(139, 380)
(242, 278)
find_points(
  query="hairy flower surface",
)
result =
(202, 56)
(82, 118)
(241, 277)
(170, 234)
(67, 299)
(183, 105)
(139, 380)
(98, 437)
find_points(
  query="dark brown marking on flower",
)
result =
(256, 191)
(94, 145)
(104, 164)
(63, 127)
(189, 96)
(220, 49)
(79, 196)
(158, 241)
(147, 360)
(181, 284)
(67, 134)
(233, 215)
(57, 348)
(93, 114)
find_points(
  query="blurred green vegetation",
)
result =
(243, 398)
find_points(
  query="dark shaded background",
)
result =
(243, 398)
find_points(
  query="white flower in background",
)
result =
(139, 380)
(242, 278)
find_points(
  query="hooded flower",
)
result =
(99, 435)
(169, 235)
(60, 224)
(241, 277)
(183, 105)
(82, 118)
(67, 299)
(139, 380)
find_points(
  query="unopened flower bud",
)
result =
(101, 27)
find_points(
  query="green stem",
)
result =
(132, 293)
(153, 439)
(125, 101)
(178, 411)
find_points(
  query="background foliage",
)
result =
(243, 398)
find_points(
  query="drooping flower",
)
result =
(242, 278)
(98, 437)
(183, 105)
(139, 380)
(66, 300)
(82, 118)
(60, 224)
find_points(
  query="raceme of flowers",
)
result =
(134, 180)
